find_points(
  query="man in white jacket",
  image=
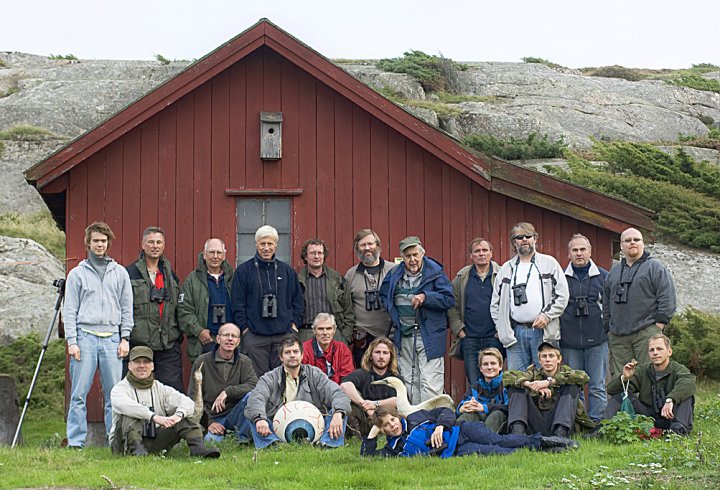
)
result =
(148, 416)
(98, 319)
(529, 296)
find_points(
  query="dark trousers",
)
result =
(524, 408)
(168, 366)
(476, 438)
(129, 430)
(682, 423)
(262, 351)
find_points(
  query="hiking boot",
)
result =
(198, 448)
(678, 428)
(518, 428)
(557, 442)
(561, 431)
(138, 449)
(353, 427)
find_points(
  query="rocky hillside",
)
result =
(45, 103)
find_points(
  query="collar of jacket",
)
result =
(592, 271)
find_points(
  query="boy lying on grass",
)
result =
(434, 433)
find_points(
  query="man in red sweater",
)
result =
(331, 356)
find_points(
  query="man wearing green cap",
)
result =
(417, 295)
(148, 416)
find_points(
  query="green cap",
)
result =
(141, 351)
(409, 241)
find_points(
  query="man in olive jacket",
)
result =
(205, 299)
(324, 291)
(155, 299)
(227, 378)
(663, 389)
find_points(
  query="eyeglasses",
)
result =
(634, 239)
(316, 253)
(523, 237)
(214, 252)
(233, 336)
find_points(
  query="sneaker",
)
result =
(557, 442)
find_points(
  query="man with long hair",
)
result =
(378, 362)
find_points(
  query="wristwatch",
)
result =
(551, 380)
(377, 403)
(668, 400)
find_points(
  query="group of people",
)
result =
(263, 335)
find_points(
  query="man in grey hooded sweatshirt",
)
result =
(98, 317)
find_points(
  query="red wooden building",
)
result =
(187, 157)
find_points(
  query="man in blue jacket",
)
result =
(583, 341)
(267, 302)
(98, 316)
(417, 295)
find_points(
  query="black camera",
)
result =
(60, 285)
(269, 306)
(218, 315)
(621, 293)
(519, 294)
(159, 294)
(372, 300)
(149, 430)
(581, 308)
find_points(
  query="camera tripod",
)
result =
(60, 285)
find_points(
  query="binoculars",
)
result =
(519, 294)
(269, 306)
(372, 300)
(581, 308)
(159, 295)
(218, 315)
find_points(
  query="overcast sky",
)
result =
(573, 33)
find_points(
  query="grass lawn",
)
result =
(692, 462)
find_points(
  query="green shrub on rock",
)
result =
(695, 337)
(513, 148)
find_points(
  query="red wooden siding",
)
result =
(354, 170)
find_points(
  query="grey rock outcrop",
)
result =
(27, 296)
(531, 97)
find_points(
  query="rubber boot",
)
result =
(198, 448)
(137, 449)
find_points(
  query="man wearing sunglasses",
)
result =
(639, 300)
(529, 296)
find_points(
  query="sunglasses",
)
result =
(523, 237)
(634, 239)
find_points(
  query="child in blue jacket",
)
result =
(486, 400)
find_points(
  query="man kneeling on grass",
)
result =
(148, 416)
(434, 433)
(547, 400)
(663, 389)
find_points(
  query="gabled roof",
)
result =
(496, 175)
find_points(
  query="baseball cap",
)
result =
(141, 351)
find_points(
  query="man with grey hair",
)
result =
(529, 295)
(267, 302)
(204, 303)
(417, 295)
(583, 340)
(324, 352)
(640, 301)
(363, 282)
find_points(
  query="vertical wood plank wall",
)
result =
(355, 172)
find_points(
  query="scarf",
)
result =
(140, 384)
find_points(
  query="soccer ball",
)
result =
(298, 421)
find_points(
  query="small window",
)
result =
(254, 213)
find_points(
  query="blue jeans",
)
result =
(471, 347)
(94, 351)
(234, 421)
(525, 351)
(264, 441)
(594, 361)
